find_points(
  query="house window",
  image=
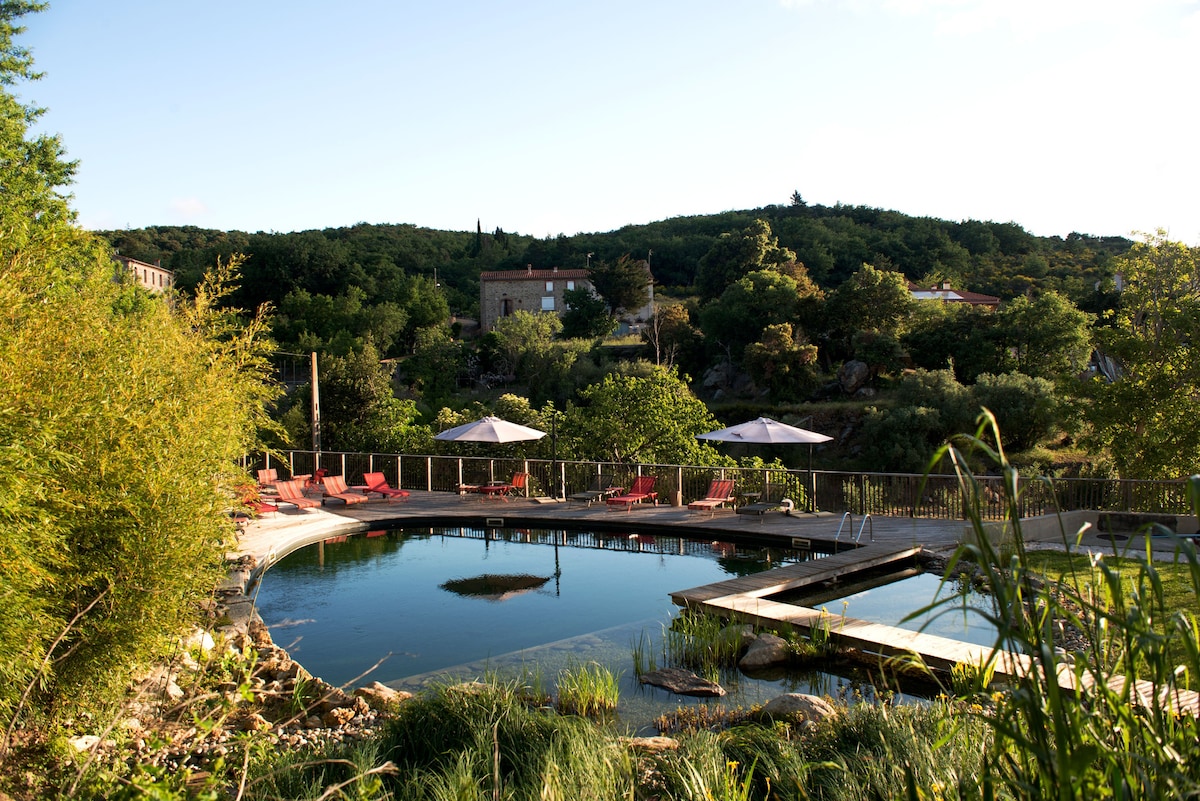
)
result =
(548, 303)
(570, 285)
(506, 307)
(549, 286)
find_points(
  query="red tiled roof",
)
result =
(531, 275)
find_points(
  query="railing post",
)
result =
(429, 473)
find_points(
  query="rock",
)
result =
(84, 742)
(338, 716)
(380, 696)
(254, 722)
(682, 682)
(767, 650)
(651, 745)
(798, 706)
(852, 375)
(745, 631)
(199, 640)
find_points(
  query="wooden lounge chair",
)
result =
(293, 492)
(335, 487)
(720, 492)
(642, 490)
(601, 487)
(377, 483)
(500, 490)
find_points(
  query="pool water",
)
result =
(430, 600)
(416, 607)
(890, 599)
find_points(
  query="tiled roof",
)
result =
(948, 295)
(532, 275)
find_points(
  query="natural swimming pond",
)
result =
(414, 606)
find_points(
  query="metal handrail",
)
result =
(861, 526)
(846, 516)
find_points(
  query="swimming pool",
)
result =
(435, 598)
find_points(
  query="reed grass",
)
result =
(587, 689)
(702, 641)
(1105, 739)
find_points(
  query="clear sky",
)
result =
(551, 116)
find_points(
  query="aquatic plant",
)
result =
(587, 689)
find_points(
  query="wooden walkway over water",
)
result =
(746, 598)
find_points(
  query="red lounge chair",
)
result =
(642, 490)
(292, 492)
(267, 477)
(720, 492)
(501, 491)
(375, 482)
(335, 487)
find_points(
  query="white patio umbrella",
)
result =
(765, 431)
(490, 429)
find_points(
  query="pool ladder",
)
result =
(866, 523)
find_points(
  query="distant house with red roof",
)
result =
(504, 292)
(946, 294)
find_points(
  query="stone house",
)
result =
(153, 277)
(503, 292)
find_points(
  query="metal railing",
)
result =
(881, 494)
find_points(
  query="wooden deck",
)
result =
(745, 598)
(803, 574)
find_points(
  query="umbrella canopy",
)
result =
(765, 431)
(490, 429)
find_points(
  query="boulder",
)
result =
(767, 650)
(798, 707)
(380, 696)
(682, 682)
(853, 375)
(651, 745)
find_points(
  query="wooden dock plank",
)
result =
(798, 575)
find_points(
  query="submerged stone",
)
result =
(682, 682)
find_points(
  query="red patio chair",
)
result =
(335, 487)
(642, 490)
(377, 483)
(720, 492)
(292, 492)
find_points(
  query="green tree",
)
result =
(747, 307)
(122, 421)
(1047, 337)
(1026, 408)
(671, 335)
(782, 364)
(587, 315)
(1145, 418)
(435, 365)
(651, 418)
(871, 300)
(734, 255)
(623, 284)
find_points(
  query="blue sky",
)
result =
(547, 117)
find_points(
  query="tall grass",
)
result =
(587, 689)
(703, 642)
(1080, 725)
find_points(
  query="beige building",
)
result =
(153, 277)
(503, 292)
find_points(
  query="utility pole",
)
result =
(316, 406)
